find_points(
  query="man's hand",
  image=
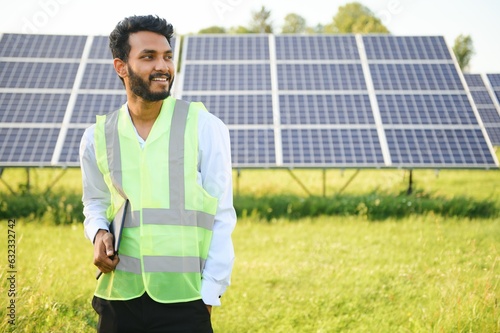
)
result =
(209, 308)
(104, 253)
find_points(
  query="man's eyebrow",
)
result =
(150, 51)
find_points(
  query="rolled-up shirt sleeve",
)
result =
(96, 196)
(216, 173)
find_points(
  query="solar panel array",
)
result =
(51, 89)
(337, 100)
(487, 99)
(289, 101)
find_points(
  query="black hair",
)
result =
(119, 37)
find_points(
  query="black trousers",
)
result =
(144, 315)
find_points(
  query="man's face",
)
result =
(150, 66)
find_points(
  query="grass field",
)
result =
(329, 274)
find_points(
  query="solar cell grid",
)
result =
(415, 77)
(321, 77)
(87, 106)
(494, 80)
(331, 147)
(387, 47)
(426, 110)
(489, 115)
(325, 109)
(474, 80)
(37, 75)
(421, 147)
(100, 48)
(70, 151)
(486, 108)
(494, 134)
(227, 77)
(32, 108)
(101, 76)
(228, 48)
(320, 47)
(27, 145)
(238, 109)
(252, 147)
(481, 97)
(42, 46)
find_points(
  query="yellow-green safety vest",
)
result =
(168, 226)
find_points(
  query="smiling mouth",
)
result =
(161, 78)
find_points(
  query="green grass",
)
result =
(417, 274)
(423, 274)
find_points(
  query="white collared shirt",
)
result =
(214, 174)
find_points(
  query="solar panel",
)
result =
(337, 100)
(426, 109)
(387, 47)
(320, 77)
(222, 47)
(32, 107)
(487, 105)
(101, 76)
(327, 147)
(494, 80)
(52, 88)
(20, 146)
(226, 108)
(438, 147)
(319, 47)
(411, 76)
(253, 146)
(69, 152)
(38, 75)
(227, 77)
(325, 109)
(87, 106)
(42, 46)
(288, 100)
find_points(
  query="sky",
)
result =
(449, 18)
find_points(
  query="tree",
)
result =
(240, 30)
(294, 24)
(213, 30)
(464, 50)
(260, 21)
(355, 18)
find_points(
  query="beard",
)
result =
(142, 89)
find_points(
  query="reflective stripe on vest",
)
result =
(163, 249)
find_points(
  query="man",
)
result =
(170, 160)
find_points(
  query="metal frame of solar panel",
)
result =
(487, 101)
(52, 88)
(337, 101)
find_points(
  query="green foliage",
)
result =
(240, 30)
(464, 50)
(213, 30)
(21, 205)
(261, 21)
(355, 18)
(56, 207)
(373, 206)
(294, 24)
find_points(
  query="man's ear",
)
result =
(120, 67)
